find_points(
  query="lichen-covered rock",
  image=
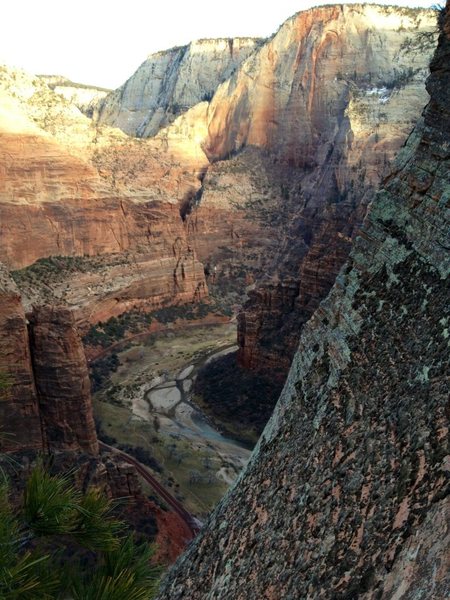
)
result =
(353, 466)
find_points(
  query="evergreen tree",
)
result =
(62, 544)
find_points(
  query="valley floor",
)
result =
(146, 409)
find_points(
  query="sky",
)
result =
(102, 42)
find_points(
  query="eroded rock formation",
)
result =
(352, 469)
(20, 426)
(315, 114)
(62, 381)
(168, 83)
(277, 220)
(70, 189)
(46, 407)
(327, 103)
(45, 396)
(84, 97)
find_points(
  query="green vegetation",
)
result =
(134, 322)
(189, 312)
(207, 96)
(425, 41)
(5, 382)
(115, 328)
(102, 369)
(142, 455)
(188, 467)
(58, 81)
(50, 268)
(180, 459)
(400, 79)
(54, 269)
(239, 401)
(59, 543)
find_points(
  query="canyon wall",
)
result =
(84, 97)
(326, 104)
(299, 134)
(20, 425)
(46, 407)
(168, 83)
(109, 203)
(347, 488)
(45, 397)
(62, 381)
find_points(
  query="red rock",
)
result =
(62, 381)
(20, 425)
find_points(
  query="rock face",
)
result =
(46, 400)
(68, 189)
(82, 96)
(62, 381)
(352, 470)
(45, 406)
(323, 105)
(292, 95)
(327, 102)
(20, 425)
(149, 263)
(168, 83)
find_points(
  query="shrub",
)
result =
(47, 541)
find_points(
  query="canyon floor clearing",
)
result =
(146, 405)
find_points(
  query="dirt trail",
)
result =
(193, 524)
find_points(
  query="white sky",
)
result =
(102, 42)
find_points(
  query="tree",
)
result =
(59, 543)
(5, 384)
(425, 41)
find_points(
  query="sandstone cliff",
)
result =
(70, 189)
(152, 210)
(46, 400)
(62, 381)
(20, 426)
(168, 83)
(306, 128)
(352, 470)
(326, 104)
(84, 97)
(46, 407)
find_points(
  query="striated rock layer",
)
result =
(321, 110)
(62, 381)
(20, 426)
(352, 470)
(168, 83)
(314, 115)
(69, 189)
(45, 400)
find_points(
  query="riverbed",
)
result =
(148, 404)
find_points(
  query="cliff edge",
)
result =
(346, 494)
